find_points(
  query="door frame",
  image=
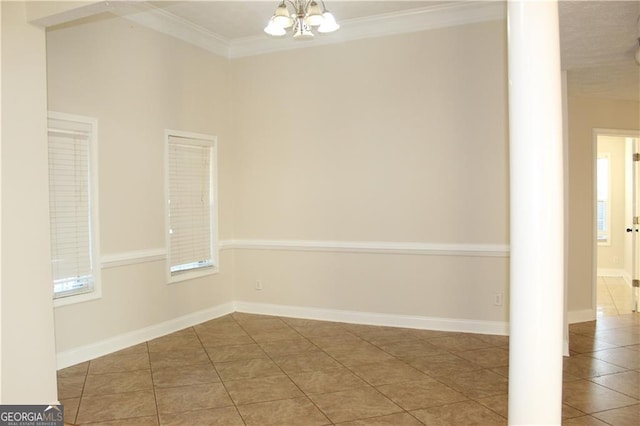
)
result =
(626, 133)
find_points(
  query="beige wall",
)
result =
(612, 255)
(585, 114)
(27, 330)
(137, 83)
(395, 139)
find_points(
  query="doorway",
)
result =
(616, 186)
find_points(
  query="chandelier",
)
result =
(306, 15)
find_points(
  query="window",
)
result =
(191, 205)
(603, 210)
(72, 207)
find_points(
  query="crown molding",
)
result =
(414, 20)
(160, 20)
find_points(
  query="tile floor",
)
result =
(245, 369)
(614, 296)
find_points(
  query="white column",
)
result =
(537, 253)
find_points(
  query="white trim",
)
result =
(583, 315)
(94, 206)
(371, 318)
(414, 20)
(133, 257)
(375, 247)
(211, 142)
(165, 22)
(122, 341)
(419, 19)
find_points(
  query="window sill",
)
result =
(191, 275)
(78, 298)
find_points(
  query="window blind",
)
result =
(190, 204)
(70, 206)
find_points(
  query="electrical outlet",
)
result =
(258, 285)
(498, 299)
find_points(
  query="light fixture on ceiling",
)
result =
(306, 15)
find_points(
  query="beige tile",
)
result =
(477, 384)
(411, 349)
(400, 419)
(264, 336)
(70, 409)
(109, 383)
(228, 416)
(442, 364)
(211, 340)
(583, 421)
(487, 358)
(320, 329)
(584, 366)
(386, 372)
(625, 416)
(183, 376)
(493, 340)
(497, 403)
(183, 340)
(324, 381)
(75, 370)
(172, 359)
(584, 344)
(569, 412)
(220, 329)
(459, 343)
(262, 389)
(466, 413)
(627, 383)
(135, 421)
(70, 386)
(339, 342)
(271, 323)
(307, 361)
(286, 412)
(140, 348)
(420, 394)
(116, 406)
(288, 347)
(361, 356)
(619, 337)
(624, 357)
(194, 397)
(116, 363)
(590, 397)
(235, 352)
(354, 404)
(247, 369)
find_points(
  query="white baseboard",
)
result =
(370, 318)
(581, 316)
(104, 347)
(565, 348)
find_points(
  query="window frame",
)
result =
(607, 202)
(211, 142)
(93, 197)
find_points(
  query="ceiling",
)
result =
(598, 38)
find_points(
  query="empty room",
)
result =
(290, 212)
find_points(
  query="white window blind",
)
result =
(70, 206)
(190, 200)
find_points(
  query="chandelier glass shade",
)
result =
(306, 15)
